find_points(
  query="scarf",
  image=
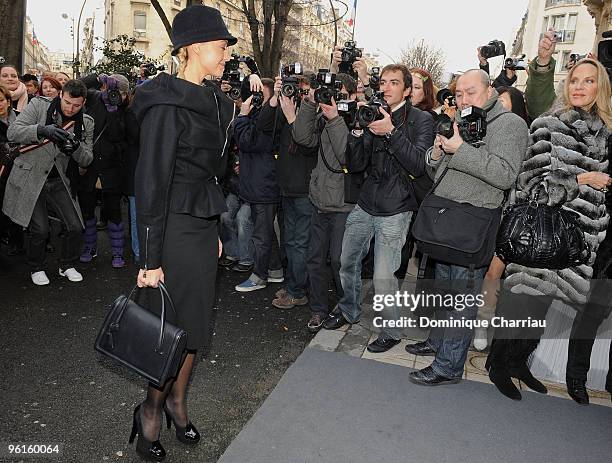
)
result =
(487, 107)
(20, 95)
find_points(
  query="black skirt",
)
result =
(189, 263)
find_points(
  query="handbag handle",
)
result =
(164, 294)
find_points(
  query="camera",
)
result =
(516, 64)
(2, 60)
(371, 111)
(290, 85)
(576, 57)
(349, 54)
(325, 86)
(604, 50)
(375, 79)
(472, 128)
(8, 153)
(71, 144)
(233, 76)
(445, 96)
(492, 49)
(114, 96)
(347, 109)
(150, 70)
(559, 36)
(257, 99)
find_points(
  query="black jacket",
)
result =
(392, 163)
(183, 139)
(108, 151)
(131, 150)
(258, 178)
(502, 79)
(295, 162)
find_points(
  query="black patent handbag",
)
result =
(141, 340)
(541, 236)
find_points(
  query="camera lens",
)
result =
(366, 115)
(234, 93)
(445, 126)
(288, 90)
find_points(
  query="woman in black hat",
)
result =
(184, 123)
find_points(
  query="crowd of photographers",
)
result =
(328, 174)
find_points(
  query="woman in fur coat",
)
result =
(566, 164)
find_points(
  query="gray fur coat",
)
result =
(562, 145)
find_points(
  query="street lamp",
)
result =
(66, 16)
(77, 64)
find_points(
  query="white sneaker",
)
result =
(480, 339)
(40, 278)
(71, 274)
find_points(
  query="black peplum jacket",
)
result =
(184, 131)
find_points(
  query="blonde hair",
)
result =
(604, 92)
(182, 56)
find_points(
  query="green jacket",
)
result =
(540, 91)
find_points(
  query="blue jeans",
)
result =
(297, 215)
(451, 344)
(134, 228)
(390, 235)
(236, 230)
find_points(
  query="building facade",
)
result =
(309, 35)
(35, 53)
(570, 17)
(61, 62)
(601, 10)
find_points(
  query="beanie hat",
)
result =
(123, 85)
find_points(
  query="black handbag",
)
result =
(455, 233)
(541, 236)
(141, 340)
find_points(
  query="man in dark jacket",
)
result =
(392, 150)
(294, 164)
(259, 188)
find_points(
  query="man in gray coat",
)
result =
(478, 175)
(39, 182)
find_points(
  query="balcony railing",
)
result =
(552, 3)
(567, 36)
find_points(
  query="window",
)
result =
(177, 2)
(544, 24)
(551, 3)
(571, 22)
(140, 21)
(564, 61)
(558, 22)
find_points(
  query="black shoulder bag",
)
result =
(142, 341)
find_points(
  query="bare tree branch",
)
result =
(425, 56)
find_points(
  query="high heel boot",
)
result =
(150, 451)
(188, 435)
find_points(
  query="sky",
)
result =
(456, 26)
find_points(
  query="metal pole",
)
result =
(76, 64)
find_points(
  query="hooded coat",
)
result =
(183, 141)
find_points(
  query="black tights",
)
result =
(111, 205)
(173, 395)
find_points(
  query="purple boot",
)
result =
(90, 241)
(115, 232)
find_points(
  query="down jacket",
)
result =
(561, 146)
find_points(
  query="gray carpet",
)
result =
(330, 407)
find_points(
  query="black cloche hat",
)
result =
(199, 23)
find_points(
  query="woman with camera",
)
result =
(9, 78)
(184, 123)
(565, 166)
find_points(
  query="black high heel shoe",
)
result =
(151, 451)
(188, 435)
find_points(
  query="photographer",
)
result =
(294, 166)
(107, 108)
(392, 150)
(38, 183)
(507, 76)
(476, 173)
(258, 186)
(328, 133)
(540, 88)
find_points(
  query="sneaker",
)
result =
(40, 278)
(276, 276)
(289, 302)
(315, 323)
(250, 285)
(71, 274)
(88, 254)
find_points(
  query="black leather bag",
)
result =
(541, 236)
(141, 340)
(456, 233)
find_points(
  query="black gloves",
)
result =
(52, 132)
(8, 153)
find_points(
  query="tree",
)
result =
(424, 56)
(273, 19)
(120, 57)
(12, 25)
